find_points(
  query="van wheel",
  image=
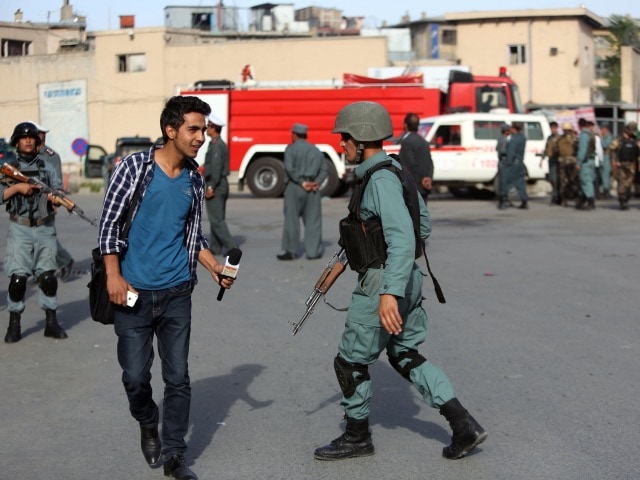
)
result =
(265, 177)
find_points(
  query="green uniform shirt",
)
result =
(383, 198)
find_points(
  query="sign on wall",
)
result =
(63, 110)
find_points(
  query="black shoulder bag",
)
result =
(99, 304)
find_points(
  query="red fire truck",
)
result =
(259, 118)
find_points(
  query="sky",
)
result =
(105, 14)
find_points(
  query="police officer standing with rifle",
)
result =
(31, 240)
(386, 306)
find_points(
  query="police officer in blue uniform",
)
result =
(586, 163)
(386, 306)
(305, 169)
(31, 240)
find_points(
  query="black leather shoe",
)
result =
(286, 256)
(150, 444)
(175, 467)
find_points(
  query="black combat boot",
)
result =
(524, 205)
(580, 203)
(503, 203)
(591, 204)
(13, 332)
(467, 433)
(52, 329)
(150, 444)
(354, 442)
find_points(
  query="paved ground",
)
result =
(539, 336)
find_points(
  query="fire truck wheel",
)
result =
(331, 185)
(265, 177)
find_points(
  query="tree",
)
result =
(623, 31)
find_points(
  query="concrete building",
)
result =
(124, 76)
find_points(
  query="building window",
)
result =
(15, 48)
(133, 62)
(449, 37)
(202, 21)
(602, 68)
(516, 54)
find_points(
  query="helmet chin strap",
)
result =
(359, 152)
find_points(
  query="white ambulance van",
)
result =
(463, 148)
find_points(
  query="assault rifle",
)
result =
(14, 173)
(334, 268)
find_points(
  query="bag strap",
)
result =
(132, 206)
(407, 183)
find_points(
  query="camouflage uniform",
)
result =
(551, 152)
(568, 183)
(625, 153)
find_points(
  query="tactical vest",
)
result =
(363, 240)
(566, 146)
(627, 151)
(32, 206)
(591, 147)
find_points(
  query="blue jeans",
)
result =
(167, 314)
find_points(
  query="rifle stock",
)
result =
(15, 174)
(333, 270)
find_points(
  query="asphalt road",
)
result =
(540, 337)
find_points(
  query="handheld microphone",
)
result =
(230, 268)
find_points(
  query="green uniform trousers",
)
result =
(298, 203)
(587, 175)
(364, 339)
(216, 212)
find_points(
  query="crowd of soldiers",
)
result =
(583, 164)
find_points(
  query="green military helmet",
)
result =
(364, 121)
(633, 128)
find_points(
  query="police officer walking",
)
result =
(386, 306)
(585, 159)
(64, 261)
(625, 154)
(305, 169)
(31, 240)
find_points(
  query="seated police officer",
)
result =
(31, 239)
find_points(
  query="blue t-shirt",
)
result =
(156, 257)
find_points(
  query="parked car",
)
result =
(99, 163)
